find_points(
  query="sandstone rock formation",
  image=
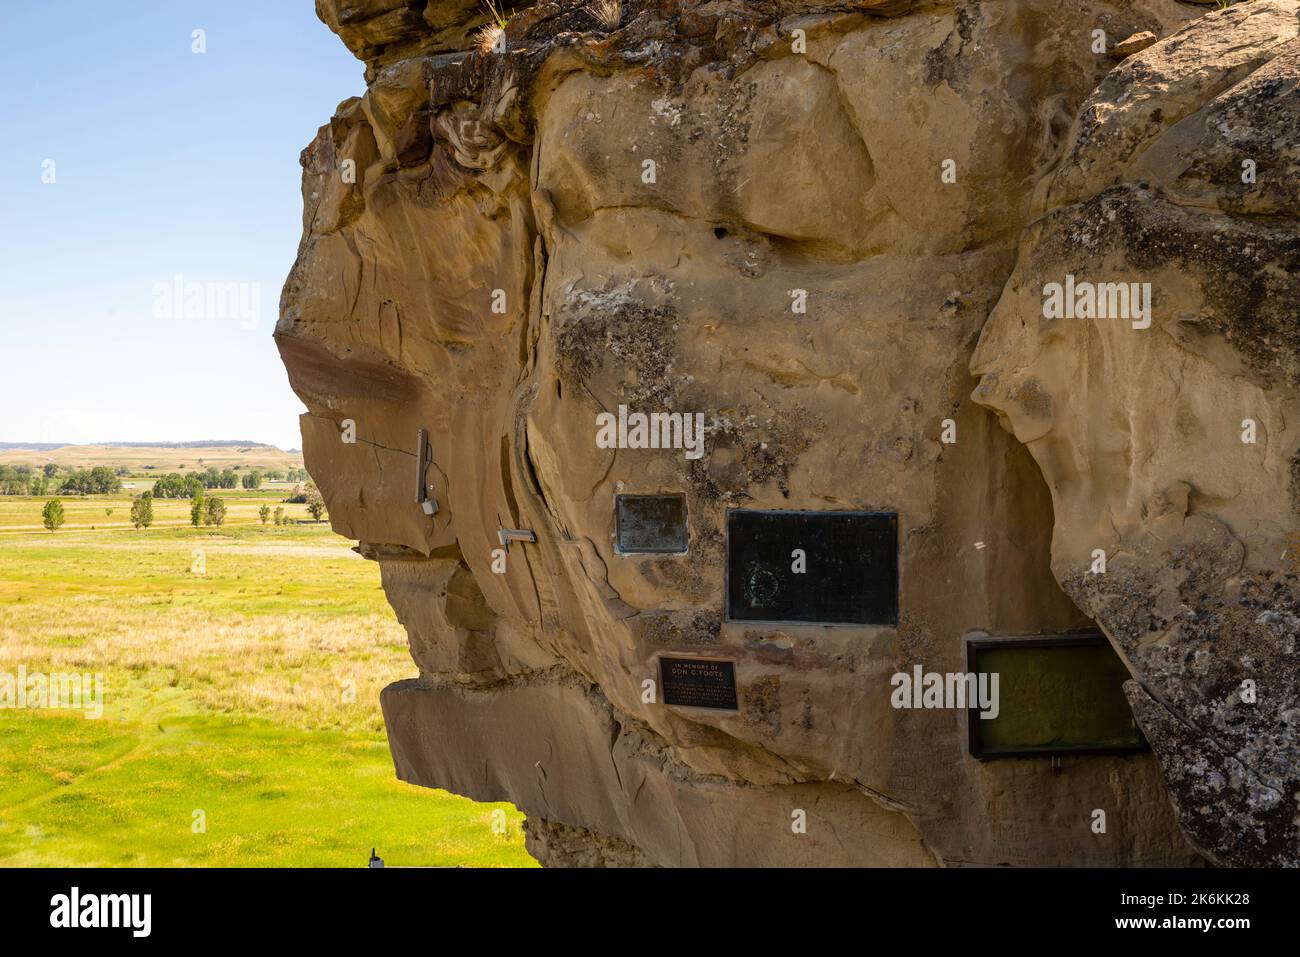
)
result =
(800, 218)
(1181, 171)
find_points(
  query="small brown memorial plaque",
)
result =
(650, 524)
(699, 682)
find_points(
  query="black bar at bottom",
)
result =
(459, 909)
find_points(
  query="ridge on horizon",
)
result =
(196, 444)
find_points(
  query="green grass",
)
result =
(224, 693)
(102, 793)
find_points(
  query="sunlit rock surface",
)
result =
(800, 221)
(1173, 448)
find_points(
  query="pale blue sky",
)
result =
(167, 162)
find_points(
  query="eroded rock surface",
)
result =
(1173, 448)
(502, 242)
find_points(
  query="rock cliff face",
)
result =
(1180, 172)
(827, 227)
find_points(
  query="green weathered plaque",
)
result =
(1057, 694)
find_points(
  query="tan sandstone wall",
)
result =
(499, 271)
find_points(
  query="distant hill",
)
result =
(159, 456)
(199, 444)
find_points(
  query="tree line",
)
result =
(25, 480)
(107, 480)
(174, 485)
(204, 509)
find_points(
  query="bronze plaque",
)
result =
(699, 682)
(650, 524)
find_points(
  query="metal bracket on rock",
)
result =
(507, 535)
(422, 459)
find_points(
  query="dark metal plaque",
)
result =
(1057, 694)
(653, 524)
(849, 563)
(699, 682)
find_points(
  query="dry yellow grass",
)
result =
(310, 672)
(284, 623)
(608, 13)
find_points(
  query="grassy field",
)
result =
(20, 513)
(241, 726)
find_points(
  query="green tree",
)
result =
(76, 483)
(279, 515)
(253, 479)
(215, 511)
(142, 510)
(301, 494)
(52, 514)
(104, 480)
(196, 509)
(229, 479)
(50, 470)
(315, 503)
(264, 513)
(170, 485)
(16, 480)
